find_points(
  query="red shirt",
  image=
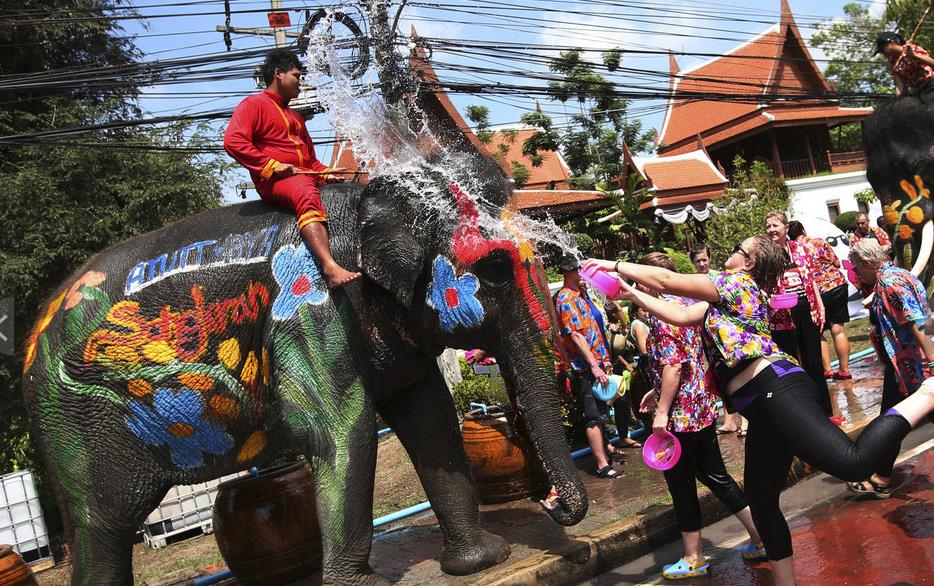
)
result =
(912, 71)
(264, 132)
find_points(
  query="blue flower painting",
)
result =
(454, 297)
(300, 281)
(176, 420)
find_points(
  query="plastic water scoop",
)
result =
(661, 452)
(601, 279)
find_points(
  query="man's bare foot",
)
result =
(337, 276)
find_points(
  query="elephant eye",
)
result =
(496, 268)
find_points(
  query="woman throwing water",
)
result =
(779, 399)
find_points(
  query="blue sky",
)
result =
(678, 25)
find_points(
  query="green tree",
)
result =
(742, 209)
(849, 45)
(592, 143)
(63, 202)
(904, 15)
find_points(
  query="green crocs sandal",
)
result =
(682, 569)
(753, 551)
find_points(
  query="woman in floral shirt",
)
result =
(685, 406)
(797, 331)
(898, 309)
(778, 397)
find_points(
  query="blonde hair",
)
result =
(869, 252)
(780, 215)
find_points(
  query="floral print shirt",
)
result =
(899, 302)
(824, 271)
(694, 406)
(738, 325)
(780, 319)
(877, 233)
(912, 71)
(575, 315)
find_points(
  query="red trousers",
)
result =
(298, 193)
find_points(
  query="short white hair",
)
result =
(869, 252)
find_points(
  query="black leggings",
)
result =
(700, 460)
(786, 420)
(803, 343)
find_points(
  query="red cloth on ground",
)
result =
(264, 132)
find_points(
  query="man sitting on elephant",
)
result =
(911, 66)
(270, 139)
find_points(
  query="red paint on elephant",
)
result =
(469, 245)
(451, 297)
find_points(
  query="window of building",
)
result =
(833, 209)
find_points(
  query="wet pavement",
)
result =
(839, 538)
(407, 553)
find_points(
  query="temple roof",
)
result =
(772, 74)
(688, 177)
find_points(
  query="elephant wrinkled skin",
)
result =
(211, 345)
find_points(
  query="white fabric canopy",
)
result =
(680, 215)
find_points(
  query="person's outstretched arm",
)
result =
(695, 286)
(675, 314)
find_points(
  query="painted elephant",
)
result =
(208, 346)
(899, 142)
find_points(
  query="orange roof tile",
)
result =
(553, 167)
(686, 171)
(777, 61)
(547, 200)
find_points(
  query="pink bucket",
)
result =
(783, 301)
(661, 451)
(601, 279)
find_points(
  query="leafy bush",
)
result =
(682, 261)
(584, 242)
(846, 221)
(477, 388)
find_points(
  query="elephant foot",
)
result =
(477, 552)
(368, 579)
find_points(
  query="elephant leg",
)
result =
(105, 495)
(341, 449)
(424, 420)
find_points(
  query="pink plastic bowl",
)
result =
(661, 451)
(783, 301)
(601, 280)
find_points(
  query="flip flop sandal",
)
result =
(608, 472)
(753, 551)
(722, 430)
(630, 443)
(551, 501)
(879, 491)
(682, 569)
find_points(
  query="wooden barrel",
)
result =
(499, 458)
(266, 525)
(13, 570)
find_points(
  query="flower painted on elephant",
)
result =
(469, 245)
(41, 327)
(162, 335)
(300, 281)
(890, 213)
(252, 447)
(455, 298)
(224, 406)
(228, 352)
(176, 420)
(196, 381)
(915, 215)
(139, 387)
(88, 279)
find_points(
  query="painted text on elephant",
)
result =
(182, 334)
(248, 247)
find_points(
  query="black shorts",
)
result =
(595, 410)
(835, 306)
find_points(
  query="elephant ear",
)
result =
(392, 253)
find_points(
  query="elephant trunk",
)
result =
(527, 366)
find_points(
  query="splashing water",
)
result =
(386, 144)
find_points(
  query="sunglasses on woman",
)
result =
(739, 248)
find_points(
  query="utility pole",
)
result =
(278, 32)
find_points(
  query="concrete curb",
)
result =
(619, 542)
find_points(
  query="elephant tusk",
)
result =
(924, 254)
